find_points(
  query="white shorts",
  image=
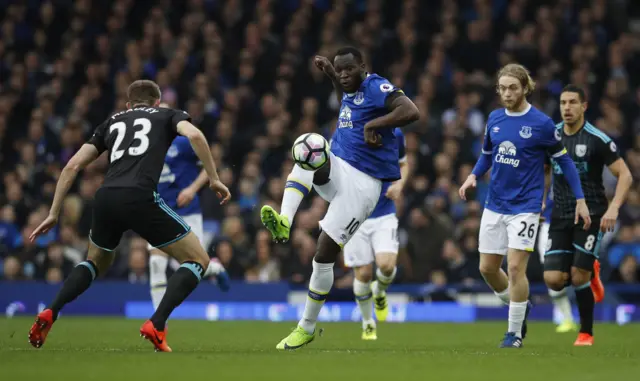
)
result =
(499, 232)
(375, 236)
(543, 240)
(195, 222)
(352, 196)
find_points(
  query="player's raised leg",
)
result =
(560, 299)
(353, 203)
(298, 186)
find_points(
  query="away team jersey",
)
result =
(137, 140)
(591, 150)
(179, 171)
(386, 205)
(518, 145)
(348, 143)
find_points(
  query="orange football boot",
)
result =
(583, 340)
(40, 329)
(596, 283)
(157, 338)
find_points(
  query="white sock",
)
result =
(383, 283)
(299, 183)
(214, 268)
(517, 311)
(157, 278)
(561, 302)
(363, 294)
(504, 296)
(319, 286)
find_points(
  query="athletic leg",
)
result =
(492, 245)
(355, 198)
(98, 261)
(358, 254)
(384, 239)
(158, 261)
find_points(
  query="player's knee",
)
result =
(579, 276)
(488, 269)
(327, 250)
(516, 270)
(386, 263)
(555, 280)
(364, 273)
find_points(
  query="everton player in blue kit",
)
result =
(517, 140)
(180, 180)
(364, 155)
(377, 240)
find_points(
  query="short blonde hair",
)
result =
(520, 73)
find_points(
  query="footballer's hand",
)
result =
(325, 65)
(185, 197)
(394, 191)
(221, 190)
(470, 182)
(608, 222)
(582, 212)
(44, 227)
(372, 138)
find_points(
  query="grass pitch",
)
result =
(110, 349)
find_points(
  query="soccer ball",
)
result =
(310, 151)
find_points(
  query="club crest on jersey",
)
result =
(359, 98)
(173, 151)
(525, 132)
(506, 154)
(581, 150)
(344, 119)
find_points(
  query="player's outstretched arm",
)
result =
(402, 111)
(87, 154)
(201, 148)
(620, 170)
(325, 65)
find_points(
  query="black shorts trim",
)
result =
(98, 246)
(173, 240)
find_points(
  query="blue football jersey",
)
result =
(518, 145)
(386, 205)
(357, 109)
(179, 171)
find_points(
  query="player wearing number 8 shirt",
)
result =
(572, 252)
(136, 141)
(517, 140)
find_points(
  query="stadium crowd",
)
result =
(243, 70)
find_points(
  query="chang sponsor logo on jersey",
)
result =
(344, 119)
(506, 154)
(167, 176)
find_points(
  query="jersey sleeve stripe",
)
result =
(595, 132)
(558, 154)
(402, 159)
(486, 152)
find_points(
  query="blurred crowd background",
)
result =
(243, 70)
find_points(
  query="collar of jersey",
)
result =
(521, 113)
